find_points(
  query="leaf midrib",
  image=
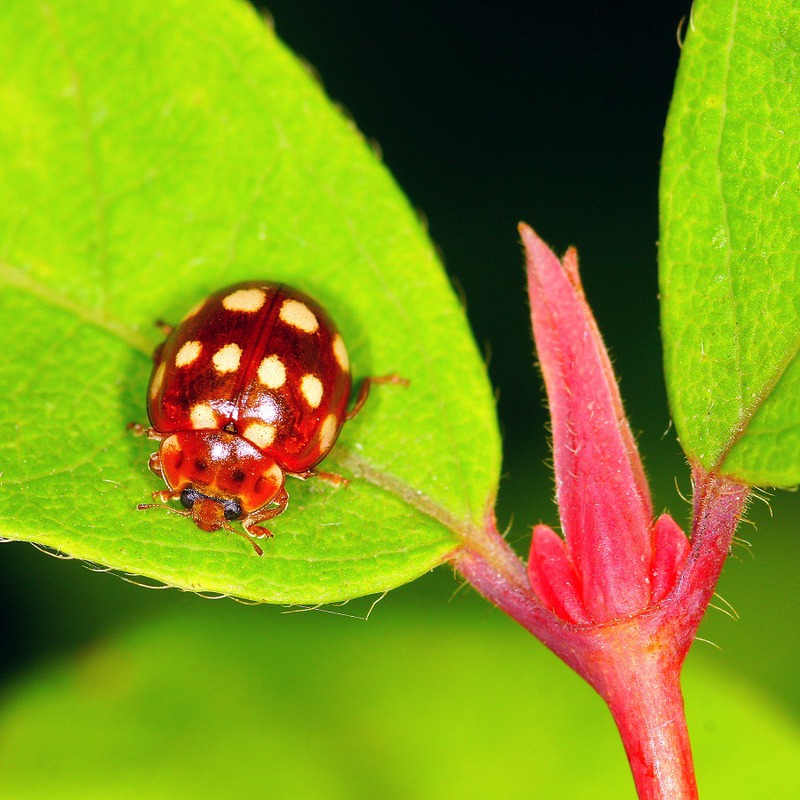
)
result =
(14, 276)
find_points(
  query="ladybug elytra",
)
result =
(251, 386)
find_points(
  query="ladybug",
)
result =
(251, 386)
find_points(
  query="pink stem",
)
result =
(496, 572)
(718, 504)
(642, 685)
(644, 695)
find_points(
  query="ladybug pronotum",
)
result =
(251, 386)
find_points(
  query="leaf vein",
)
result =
(21, 280)
(766, 392)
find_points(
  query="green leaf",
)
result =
(220, 703)
(730, 244)
(151, 153)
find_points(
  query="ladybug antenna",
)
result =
(169, 509)
(228, 527)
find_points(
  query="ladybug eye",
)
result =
(188, 497)
(232, 510)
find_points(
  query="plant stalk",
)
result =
(633, 663)
(642, 690)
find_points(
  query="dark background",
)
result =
(487, 114)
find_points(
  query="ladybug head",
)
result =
(210, 513)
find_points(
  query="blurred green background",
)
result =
(486, 113)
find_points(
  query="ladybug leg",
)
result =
(165, 495)
(275, 508)
(144, 430)
(332, 478)
(140, 430)
(164, 327)
(363, 391)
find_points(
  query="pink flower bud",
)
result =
(613, 561)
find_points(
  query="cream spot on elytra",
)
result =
(227, 358)
(188, 354)
(260, 434)
(299, 316)
(311, 388)
(272, 372)
(340, 353)
(247, 300)
(203, 416)
(157, 381)
(327, 433)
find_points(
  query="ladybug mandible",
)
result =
(251, 386)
